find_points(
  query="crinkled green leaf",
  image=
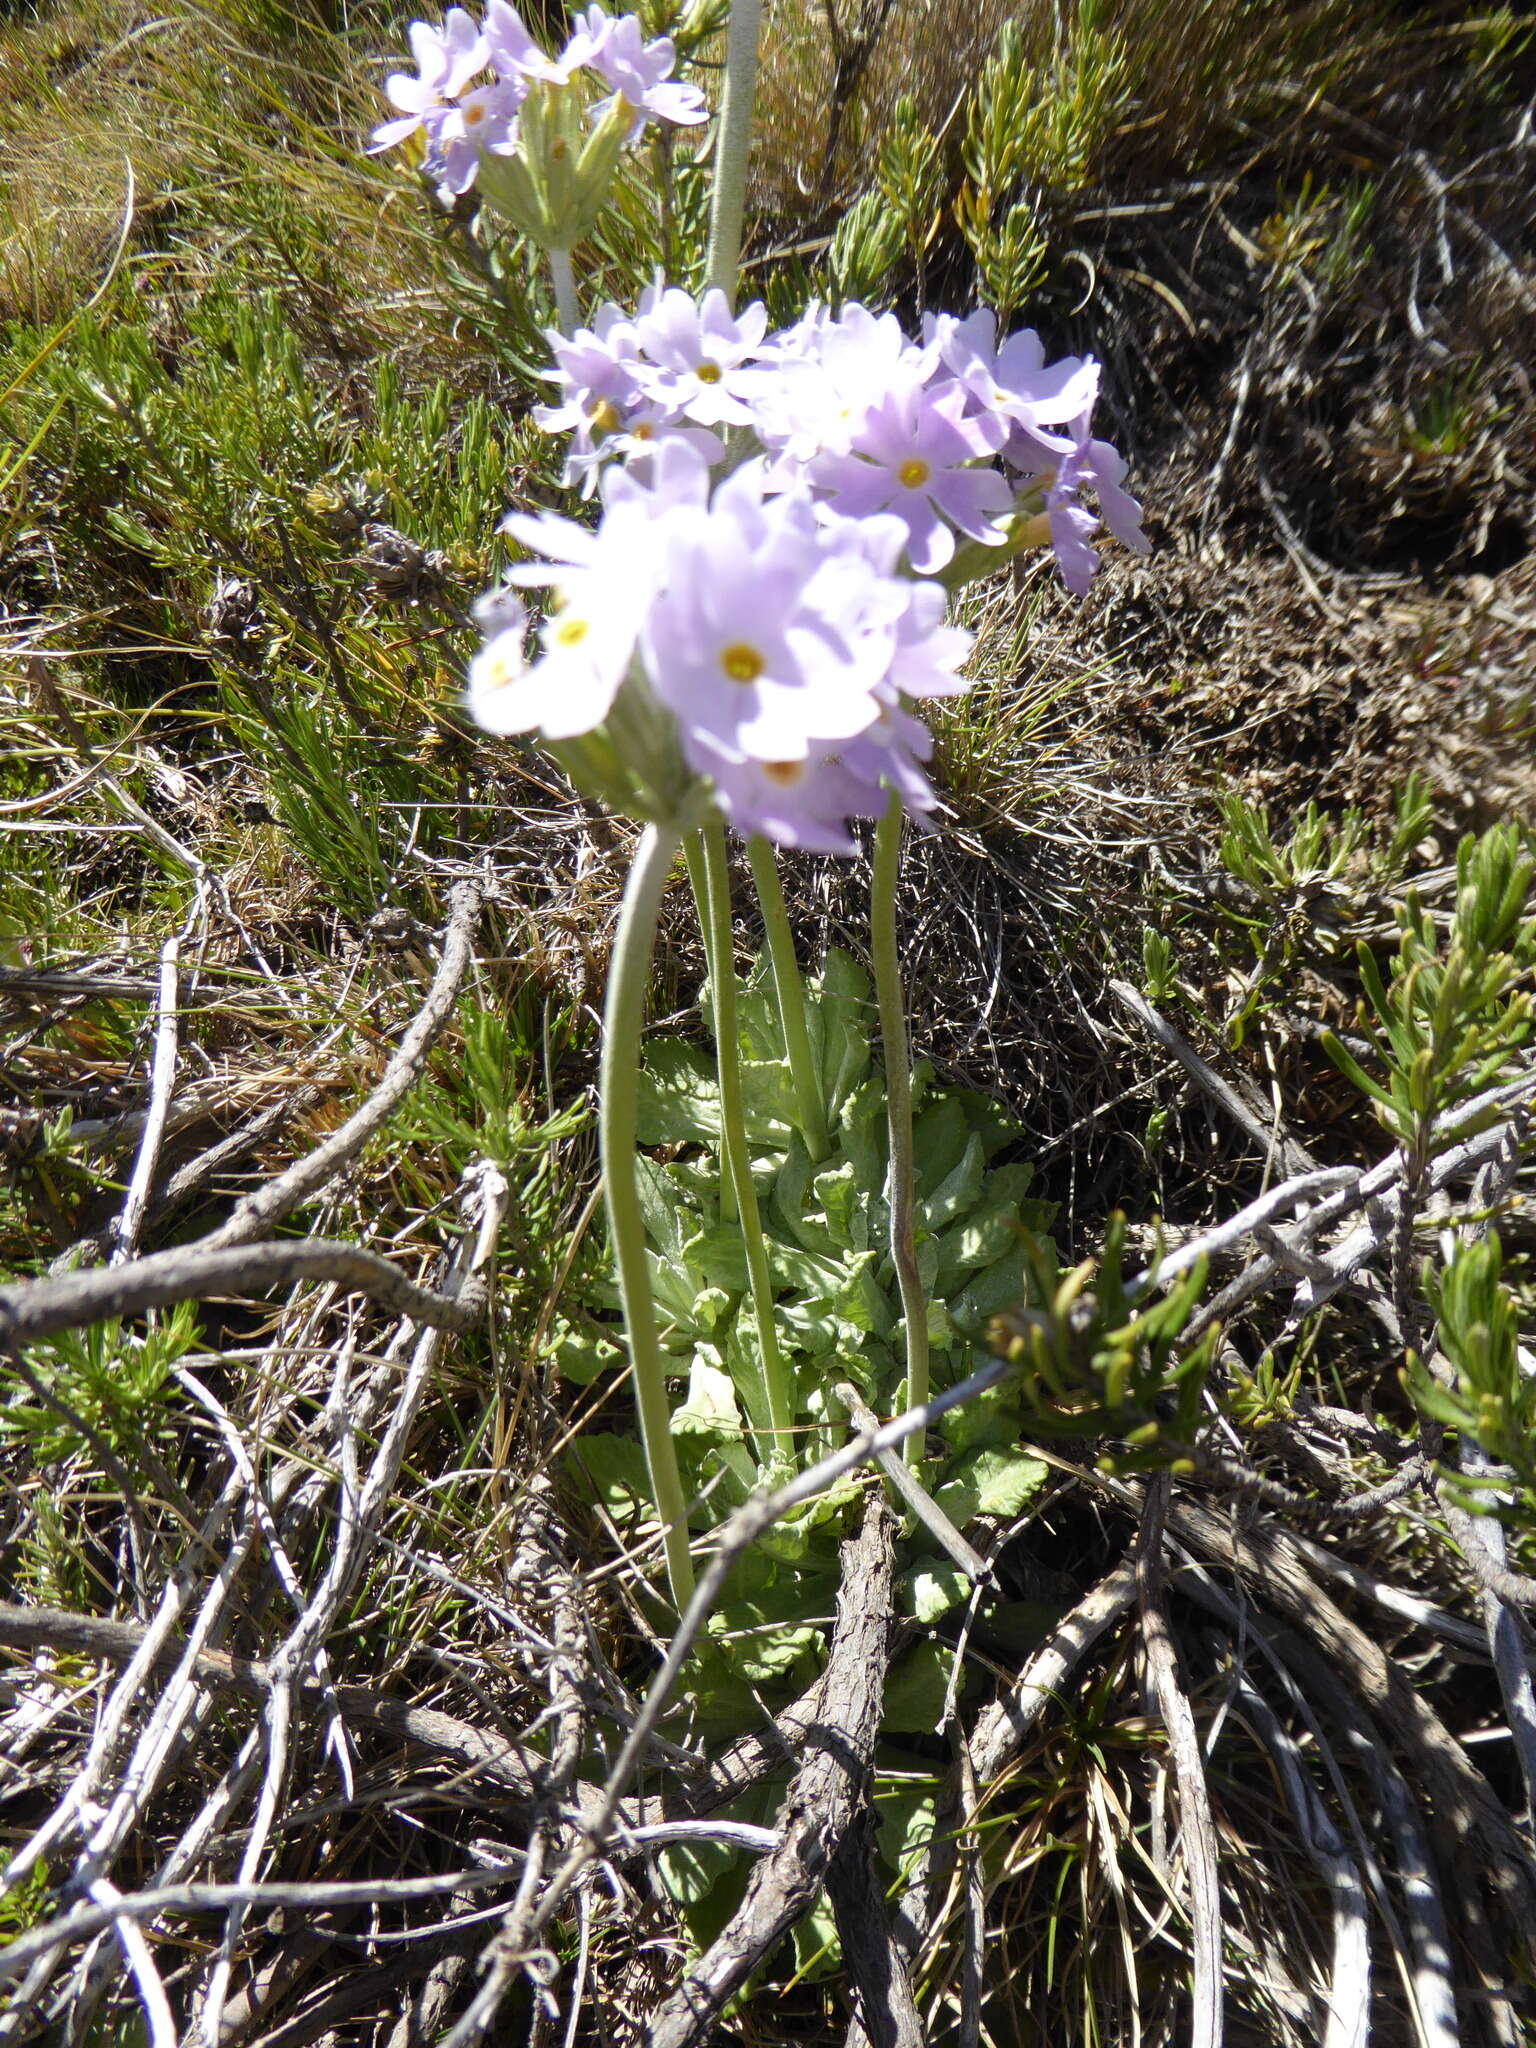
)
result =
(798, 1206)
(711, 1442)
(741, 1359)
(711, 1305)
(932, 1590)
(767, 1632)
(958, 1190)
(940, 1136)
(994, 1124)
(768, 1101)
(758, 1029)
(675, 1289)
(711, 1408)
(927, 1248)
(719, 1255)
(813, 1328)
(614, 1466)
(679, 1099)
(842, 1026)
(915, 1688)
(984, 1232)
(863, 1133)
(997, 1287)
(993, 1417)
(665, 1205)
(990, 1481)
(694, 1871)
(836, 1191)
(579, 1356)
(907, 1817)
(798, 1537)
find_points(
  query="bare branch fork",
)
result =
(226, 1259)
(32, 1309)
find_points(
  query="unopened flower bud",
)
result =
(556, 184)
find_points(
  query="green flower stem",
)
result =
(698, 881)
(619, 1083)
(898, 1106)
(790, 990)
(733, 143)
(563, 277)
(733, 1123)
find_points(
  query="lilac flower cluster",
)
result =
(867, 419)
(780, 640)
(782, 618)
(460, 119)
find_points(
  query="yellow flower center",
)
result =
(913, 474)
(604, 416)
(501, 671)
(571, 632)
(708, 372)
(474, 114)
(644, 431)
(741, 663)
(785, 773)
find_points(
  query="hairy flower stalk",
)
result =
(733, 145)
(563, 278)
(623, 1020)
(789, 989)
(738, 1155)
(698, 882)
(891, 1000)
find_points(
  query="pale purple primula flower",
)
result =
(929, 654)
(1060, 465)
(484, 120)
(643, 431)
(694, 354)
(887, 755)
(911, 456)
(1013, 381)
(516, 54)
(926, 654)
(823, 375)
(638, 72)
(675, 478)
(595, 368)
(495, 692)
(803, 803)
(446, 60)
(746, 646)
(586, 645)
(601, 584)
(808, 803)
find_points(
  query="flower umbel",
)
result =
(780, 623)
(607, 79)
